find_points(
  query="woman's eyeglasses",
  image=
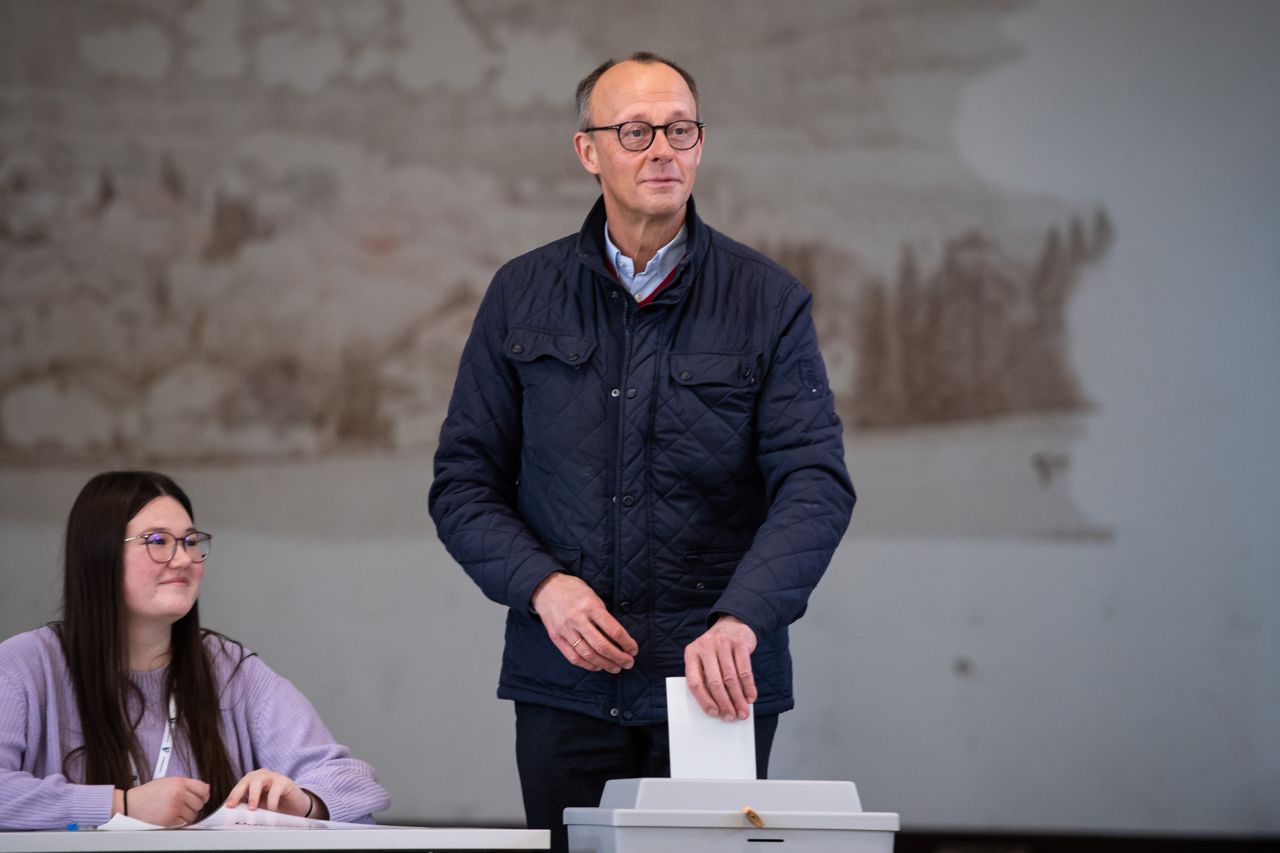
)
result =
(162, 546)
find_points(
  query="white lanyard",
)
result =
(166, 744)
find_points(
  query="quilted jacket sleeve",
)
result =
(477, 465)
(800, 452)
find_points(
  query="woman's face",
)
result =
(159, 592)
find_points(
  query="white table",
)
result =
(373, 838)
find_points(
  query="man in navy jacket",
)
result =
(641, 459)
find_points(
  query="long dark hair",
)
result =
(95, 642)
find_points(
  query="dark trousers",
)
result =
(565, 758)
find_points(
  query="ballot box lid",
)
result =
(779, 794)
(778, 803)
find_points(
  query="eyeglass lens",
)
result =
(639, 135)
(163, 546)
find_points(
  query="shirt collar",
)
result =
(663, 261)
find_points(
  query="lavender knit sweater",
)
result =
(266, 722)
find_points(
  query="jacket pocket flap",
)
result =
(738, 369)
(525, 344)
(716, 558)
(568, 556)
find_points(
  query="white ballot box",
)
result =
(714, 815)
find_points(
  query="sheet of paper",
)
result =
(121, 822)
(239, 818)
(705, 747)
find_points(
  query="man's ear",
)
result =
(584, 146)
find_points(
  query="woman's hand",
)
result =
(167, 801)
(282, 795)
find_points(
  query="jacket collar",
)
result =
(591, 250)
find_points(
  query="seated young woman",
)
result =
(127, 706)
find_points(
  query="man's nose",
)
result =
(661, 149)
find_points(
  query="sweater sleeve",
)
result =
(477, 466)
(28, 801)
(800, 451)
(289, 737)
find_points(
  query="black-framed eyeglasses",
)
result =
(639, 135)
(162, 545)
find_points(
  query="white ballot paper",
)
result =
(704, 747)
(240, 818)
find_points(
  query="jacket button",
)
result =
(625, 607)
(573, 356)
(615, 392)
(517, 348)
(627, 500)
(631, 392)
(686, 375)
(613, 712)
(701, 585)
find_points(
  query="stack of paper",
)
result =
(240, 818)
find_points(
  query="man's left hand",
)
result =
(717, 666)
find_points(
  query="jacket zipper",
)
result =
(617, 489)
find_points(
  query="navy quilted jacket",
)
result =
(684, 458)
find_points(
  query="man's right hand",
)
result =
(580, 625)
(168, 801)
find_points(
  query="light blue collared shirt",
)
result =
(642, 285)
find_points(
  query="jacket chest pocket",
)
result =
(549, 361)
(725, 381)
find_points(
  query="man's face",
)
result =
(640, 186)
